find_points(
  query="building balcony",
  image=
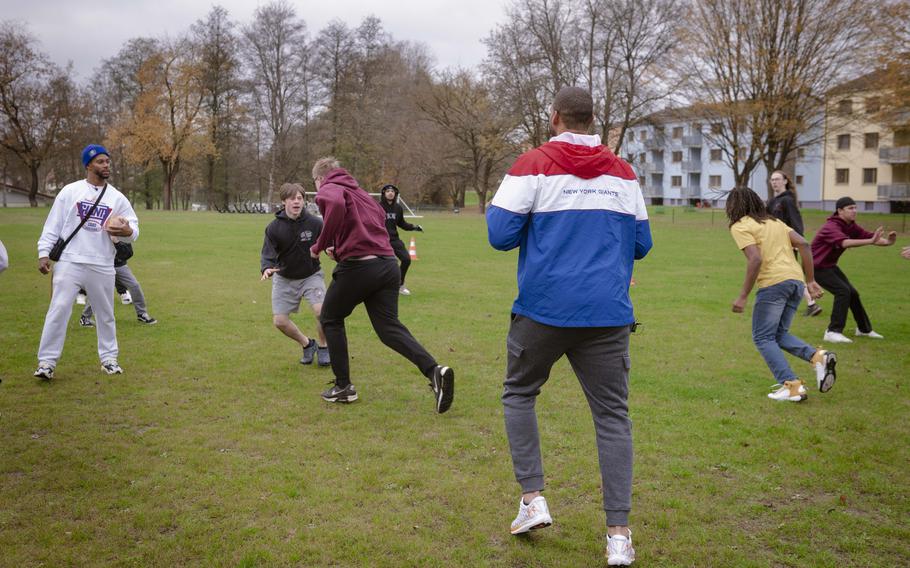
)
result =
(895, 155)
(655, 143)
(692, 140)
(692, 165)
(894, 192)
(652, 190)
(655, 167)
(690, 192)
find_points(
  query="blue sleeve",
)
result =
(643, 241)
(504, 228)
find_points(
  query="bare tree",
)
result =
(34, 101)
(762, 68)
(218, 50)
(464, 108)
(272, 49)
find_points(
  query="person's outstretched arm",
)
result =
(753, 265)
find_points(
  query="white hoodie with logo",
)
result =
(92, 244)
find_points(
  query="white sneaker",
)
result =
(80, 299)
(126, 298)
(825, 375)
(620, 551)
(871, 334)
(111, 367)
(404, 291)
(835, 337)
(534, 515)
(790, 391)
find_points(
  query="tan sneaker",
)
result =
(790, 391)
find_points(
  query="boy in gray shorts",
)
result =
(295, 274)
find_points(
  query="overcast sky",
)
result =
(88, 32)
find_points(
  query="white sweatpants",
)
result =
(97, 282)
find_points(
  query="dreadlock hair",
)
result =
(742, 202)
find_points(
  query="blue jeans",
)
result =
(772, 315)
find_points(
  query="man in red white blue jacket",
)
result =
(577, 214)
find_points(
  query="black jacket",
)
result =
(124, 251)
(784, 207)
(394, 216)
(287, 245)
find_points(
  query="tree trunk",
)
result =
(33, 190)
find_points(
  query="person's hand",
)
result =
(44, 265)
(118, 226)
(418, 228)
(313, 253)
(739, 304)
(815, 291)
(892, 237)
(877, 235)
(905, 252)
(267, 273)
(330, 252)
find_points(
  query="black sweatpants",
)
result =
(845, 296)
(373, 283)
(403, 255)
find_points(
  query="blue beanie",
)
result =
(92, 150)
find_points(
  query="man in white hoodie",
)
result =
(87, 261)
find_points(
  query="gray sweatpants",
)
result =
(600, 358)
(98, 281)
(124, 276)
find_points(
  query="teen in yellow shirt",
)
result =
(768, 245)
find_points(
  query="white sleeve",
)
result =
(53, 225)
(125, 209)
(4, 258)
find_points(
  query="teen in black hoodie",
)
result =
(394, 218)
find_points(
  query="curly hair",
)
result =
(742, 202)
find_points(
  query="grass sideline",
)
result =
(214, 449)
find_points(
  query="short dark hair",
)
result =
(575, 106)
(289, 190)
(743, 202)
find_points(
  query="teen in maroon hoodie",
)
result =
(839, 233)
(355, 236)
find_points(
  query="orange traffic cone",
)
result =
(412, 249)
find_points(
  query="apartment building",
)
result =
(864, 159)
(680, 161)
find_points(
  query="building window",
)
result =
(696, 128)
(676, 181)
(717, 128)
(677, 132)
(873, 105)
(871, 140)
(800, 153)
(716, 154)
(799, 180)
(677, 156)
(870, 175)
(642, 135)
(843, 141)
(869, 206)
(842, 175)
(657, 156)
(714, 181)
(845, 107)
(642, 158)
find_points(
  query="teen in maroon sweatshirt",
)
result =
(354, 234)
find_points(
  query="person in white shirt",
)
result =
(88, 259)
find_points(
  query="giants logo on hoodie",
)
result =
(99, 215)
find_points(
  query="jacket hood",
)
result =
(836, 218)
(341, 178)
(283, 215)
(384, 188)
(586, 162)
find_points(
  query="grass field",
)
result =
(215, 449)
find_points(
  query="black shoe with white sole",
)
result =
(340, 394)
(443, 384)
(825, 373)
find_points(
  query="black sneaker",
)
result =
(813, 310)
(443, 384)
(146, 319)
(308, 353)
(340, 394)
(86, 321)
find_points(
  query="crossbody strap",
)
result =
(87, 215)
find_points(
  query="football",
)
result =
(116, 221)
